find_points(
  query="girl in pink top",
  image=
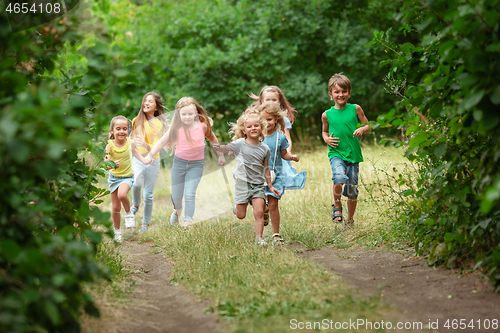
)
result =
(190, 126)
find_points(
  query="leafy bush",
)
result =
(48, 230)
(448, 77)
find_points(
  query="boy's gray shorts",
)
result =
(244, 192)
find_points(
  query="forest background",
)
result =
(427, 71)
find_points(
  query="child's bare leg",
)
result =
(337, 196)
(274, 211)
(351, 208)
(178, 212)
(258, 212)
(115, 209)
(241, 211)
(122, 196)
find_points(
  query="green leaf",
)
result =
(471, 100)
(495, 95)
(440, 150)
(93, 236)
(10, 249)
(52, 312)
(418, 139)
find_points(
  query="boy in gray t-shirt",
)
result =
(252, 170)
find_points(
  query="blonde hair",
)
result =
(112, 125)
(177, 123)
(340, 80)
(237, 129)
(274, 110)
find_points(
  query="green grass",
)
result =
(262, 289)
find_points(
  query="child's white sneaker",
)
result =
(118, 236)
(173, 219)
(260, 242)
(129, 220)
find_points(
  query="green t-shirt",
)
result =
(342, 123)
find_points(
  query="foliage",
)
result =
(48, 231)
(218, 52)
(448, 77)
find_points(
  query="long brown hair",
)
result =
(285, 105)
(138, 124)
(177, 123)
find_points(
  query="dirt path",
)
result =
(156, 305)
(420, 293)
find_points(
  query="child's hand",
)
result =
(140, 142)
(332, 142)
(275, 191)
(231, 153)
(148, 160)
(222, 160)
(358, 132)
(295, 158)
(216, 146)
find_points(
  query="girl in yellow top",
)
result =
(120, 149)
(147, 128)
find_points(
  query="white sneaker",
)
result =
(234, 210)
(118, 236)
(260, 242)
(129, 220)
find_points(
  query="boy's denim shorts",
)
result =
(347, 173)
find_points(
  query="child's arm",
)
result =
(289, 138)
(136, 154)
(159, 144)
(285, 154)
(267, 174)
(220, 148)
(329, 139)
(107, 157)
(363, 120)
(213, 140)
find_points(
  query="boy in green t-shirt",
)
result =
(341, 134)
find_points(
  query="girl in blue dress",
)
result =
(278, 144)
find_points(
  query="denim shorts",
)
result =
(115, 182)
(347, 173)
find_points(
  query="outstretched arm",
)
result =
(213, 140)
(363, 120)
(285, 154)
(329, 139)
(160, 144)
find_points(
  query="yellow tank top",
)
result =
(153, 133)
(124, 155)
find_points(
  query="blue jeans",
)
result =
(347, 173)
(147, 175)
(186, 176)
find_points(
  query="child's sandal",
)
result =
(349, 224)
(335, 215)
(277, 240)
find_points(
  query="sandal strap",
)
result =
(337, 209)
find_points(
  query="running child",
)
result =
(291, 179)
(190, 126)
(120, 149)
(341, 134)
(252, 169)
(278, 144)
(148, 127)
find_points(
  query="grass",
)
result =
(262, 289)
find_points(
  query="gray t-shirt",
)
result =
(250, 160)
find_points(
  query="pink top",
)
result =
(187, 152)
